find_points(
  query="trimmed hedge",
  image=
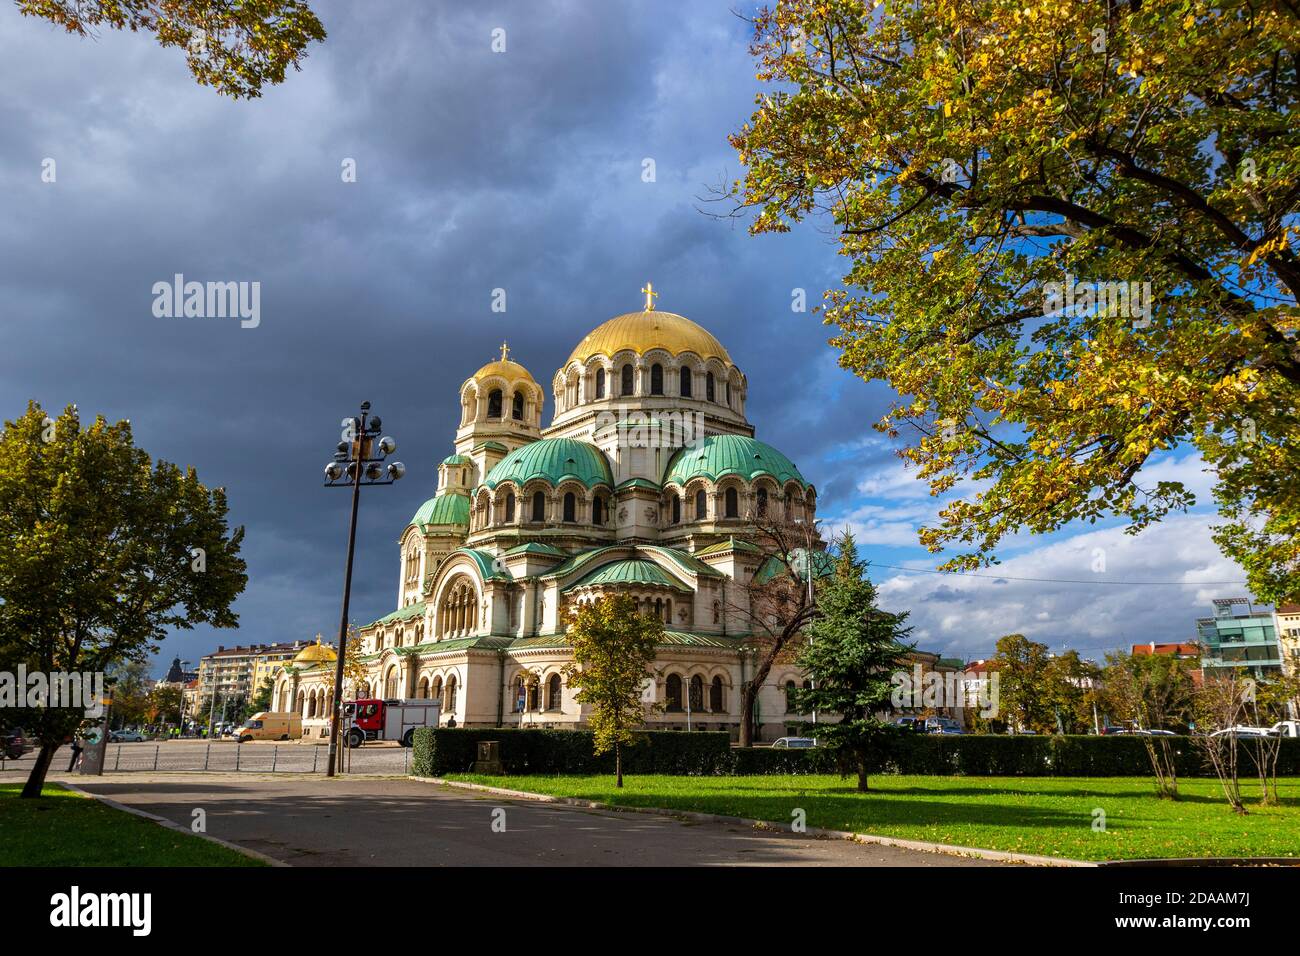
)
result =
(453, 750)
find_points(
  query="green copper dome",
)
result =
(554, 459)
(447, 509)
(629, 572)
(722, 455)
(455, 460)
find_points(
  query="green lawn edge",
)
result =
(65, 828)
(1083, 818)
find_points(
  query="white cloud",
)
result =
(1116, 606)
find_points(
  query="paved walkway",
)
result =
(376, 821)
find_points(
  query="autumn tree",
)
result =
(1071, 230)
(1070, 691)
(235, 48)
(613, 646)
(1022, 668)
(105, 553)
(775, 561)
(850, 653)
(1151, 692)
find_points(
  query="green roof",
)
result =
(632, 571)
(721, 455)
(686, 562)
(537, 547)
(401, 614)
(485, 561)
(455, 460)
(669, 639)
(638, 483)
(729, 544)
(494, 445)
(554, 460)
(447, 509)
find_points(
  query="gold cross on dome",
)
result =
(505, 352)
(650, 296)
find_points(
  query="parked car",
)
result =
(910, 723)
(13, 743)
(794, 743)
(125, 737)
(1287, 728)
(942, 725)
(1243, 731)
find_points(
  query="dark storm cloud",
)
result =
(475, 171)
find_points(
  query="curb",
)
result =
(173, 825)
(999, 856)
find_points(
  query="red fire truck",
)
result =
(375, 719)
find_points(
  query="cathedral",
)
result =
(644, 483)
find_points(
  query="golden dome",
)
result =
(650, 329)
(315, 653)
(504, 367)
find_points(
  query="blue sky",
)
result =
(476, 170)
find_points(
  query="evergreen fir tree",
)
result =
(850, 650)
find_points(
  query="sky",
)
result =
(475, 170)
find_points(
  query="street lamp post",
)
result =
(359, 458)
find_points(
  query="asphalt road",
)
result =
(262, 756)
(375, 821)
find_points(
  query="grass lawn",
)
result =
(66, 829)
(1049, 816)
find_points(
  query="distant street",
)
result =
(353, 821)
(260, 756)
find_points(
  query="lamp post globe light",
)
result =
(358, 460)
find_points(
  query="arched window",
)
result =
(733, 503)
(697, 693)
(762, 502)
(789, 690)
(451, 694)
(701, 505)
(727, 388)
(539, 506)
(673, 692)
(668, 611)
(435, 689)
(533, 703)
(715, 695)
(600, 383)
(494, 403)
(708, 387)
(422, 691)
(510, 506)
(570, 507)
(656, 379)
(390, 684)
(517, 702)
(554, 693)
(597, 510)
(517, 407)
(686, 381)
(677, 510)
(627, 380)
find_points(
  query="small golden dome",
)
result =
(650, 329)
(315, 653)
(504, 367)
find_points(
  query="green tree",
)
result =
(235, 48)
(1071, 691)
(1151, 692)
(983, 160)
(850, 650)
(105, 552)
(165, 703)
(613, 647)
(262, 699)
(1022, 667)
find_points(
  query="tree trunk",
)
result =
(618, 764)
(862, 776)
(36, 781)
(747, 716)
